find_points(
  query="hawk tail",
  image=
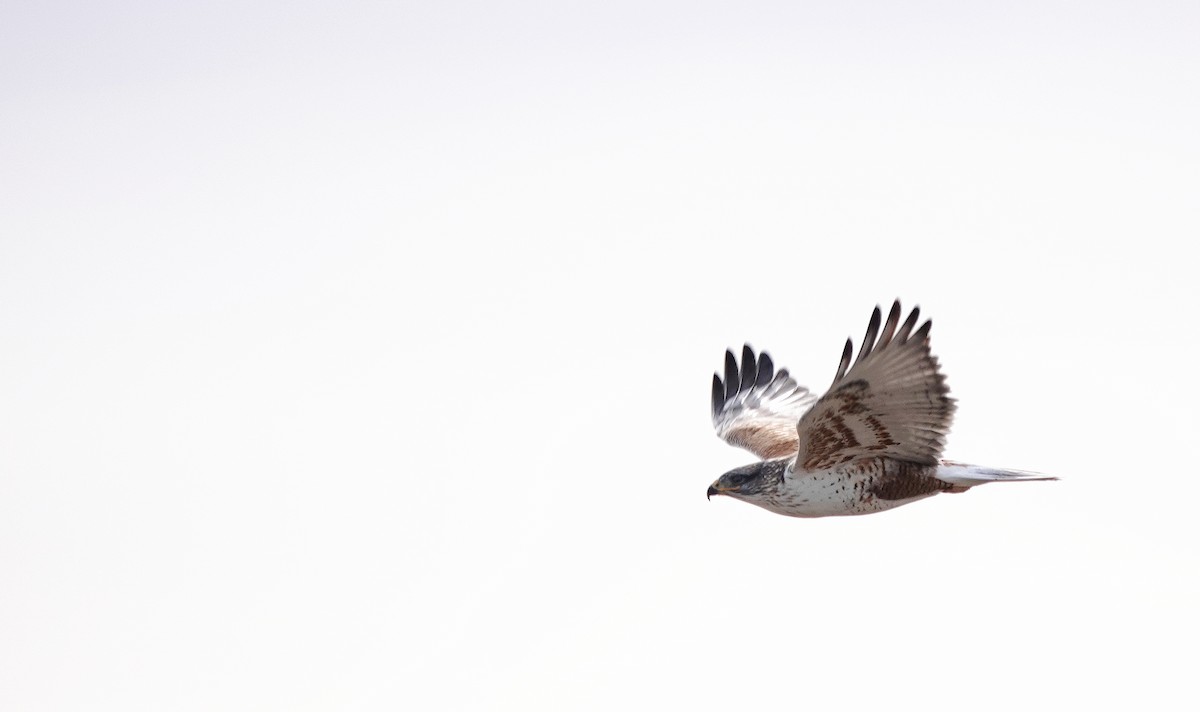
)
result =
(964, 476)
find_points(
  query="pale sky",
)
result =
(357, 355)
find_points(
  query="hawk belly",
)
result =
(863, 487)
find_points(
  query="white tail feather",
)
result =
(964, 475)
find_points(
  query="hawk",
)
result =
(873, 442)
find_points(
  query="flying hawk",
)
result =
(871, 443)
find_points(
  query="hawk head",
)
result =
(750, 482)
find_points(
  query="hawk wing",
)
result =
(756, 408)
(893, 403)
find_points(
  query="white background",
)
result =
(357, 355)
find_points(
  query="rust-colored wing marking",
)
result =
(756, 408)
(892, 403)
(908, 481)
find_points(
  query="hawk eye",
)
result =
(738, 480)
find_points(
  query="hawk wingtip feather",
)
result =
(868, 342)
(909, 323)
(844, 364)
(889, 327)
(731, 374)
(766, 370)
(749, 369)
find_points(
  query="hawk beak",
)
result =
(712, 491)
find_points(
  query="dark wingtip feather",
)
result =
(889, 326)
(909, 323)
(718, 395)
(766, 369)
(749, 369)
(869, 339)
(731, 375)
(922, 334)
(847, 352)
